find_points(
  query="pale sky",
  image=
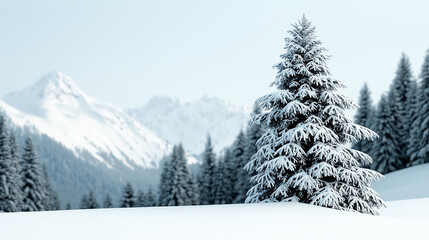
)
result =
(125, 52)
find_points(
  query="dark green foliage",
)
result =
(365, 117)
(108, 203)
(32, 180)
(419, 139)
(207, 175)
(128, 199)
(385, 154)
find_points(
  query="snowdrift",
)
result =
(408, 183)
(244, 221)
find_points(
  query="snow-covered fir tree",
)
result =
(10, 194)
(222, 184)
(165, 184)
(92, 201)
(194, 193)
(238, 160)
(51, 201)
(385, 154)
(365, 117)
(179, 194)
(15, 173)
(207, 174)
(140, 199)
(400, 107)
(253, 133)
(303, 154)
(149, 198)
(128, 199)
(108, 203)
(32, 179)
(84, 202)
(413, 114)
(420, 134)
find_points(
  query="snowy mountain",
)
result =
(55, 106)
(190, 122)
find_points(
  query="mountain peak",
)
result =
(52, 89)
(57, 84)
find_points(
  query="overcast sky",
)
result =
(125, 52)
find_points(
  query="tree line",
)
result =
(401, 119)
(220, 180)
(24, 182)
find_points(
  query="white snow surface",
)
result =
(190, 122)
(55, 106)
(242, 221)
(407, 183)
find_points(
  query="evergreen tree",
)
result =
(92, 201)
(165, 184)
(32, 180)
(400, 89)
(150, 198)
(140, 199)
(193, 191)
(51, 201)
(303, 155)
(108, 203)
(365, 117)
(253, 133)
(238, 161)
(84, 204)
(420, 136)
(128, 199)
(207, 174)
(10, 194)
(180, 190)
(68, 206)
(223, 187)
(385, 154)
(413, 140)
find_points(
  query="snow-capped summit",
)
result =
(190, 122)
(56, 106)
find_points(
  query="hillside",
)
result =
(407, 183)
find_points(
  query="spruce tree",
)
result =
(400, 89)
(179, 194)
(413, 140)
(165, 184)
(238, 161)
(108, 203)
(150, 198)
(84, 202)
(243, 183)
(51, 201)
(223, 187)
(303, 155)
(128, 199)
(10, 193)
(92, 202)
(385, 154)
(193, 191)
(207, 174)
(365, 117)
(32, 180)
(420, 136)
(140, 199)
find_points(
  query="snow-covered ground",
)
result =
(408, 183)
(404, 219)
(244, 221)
